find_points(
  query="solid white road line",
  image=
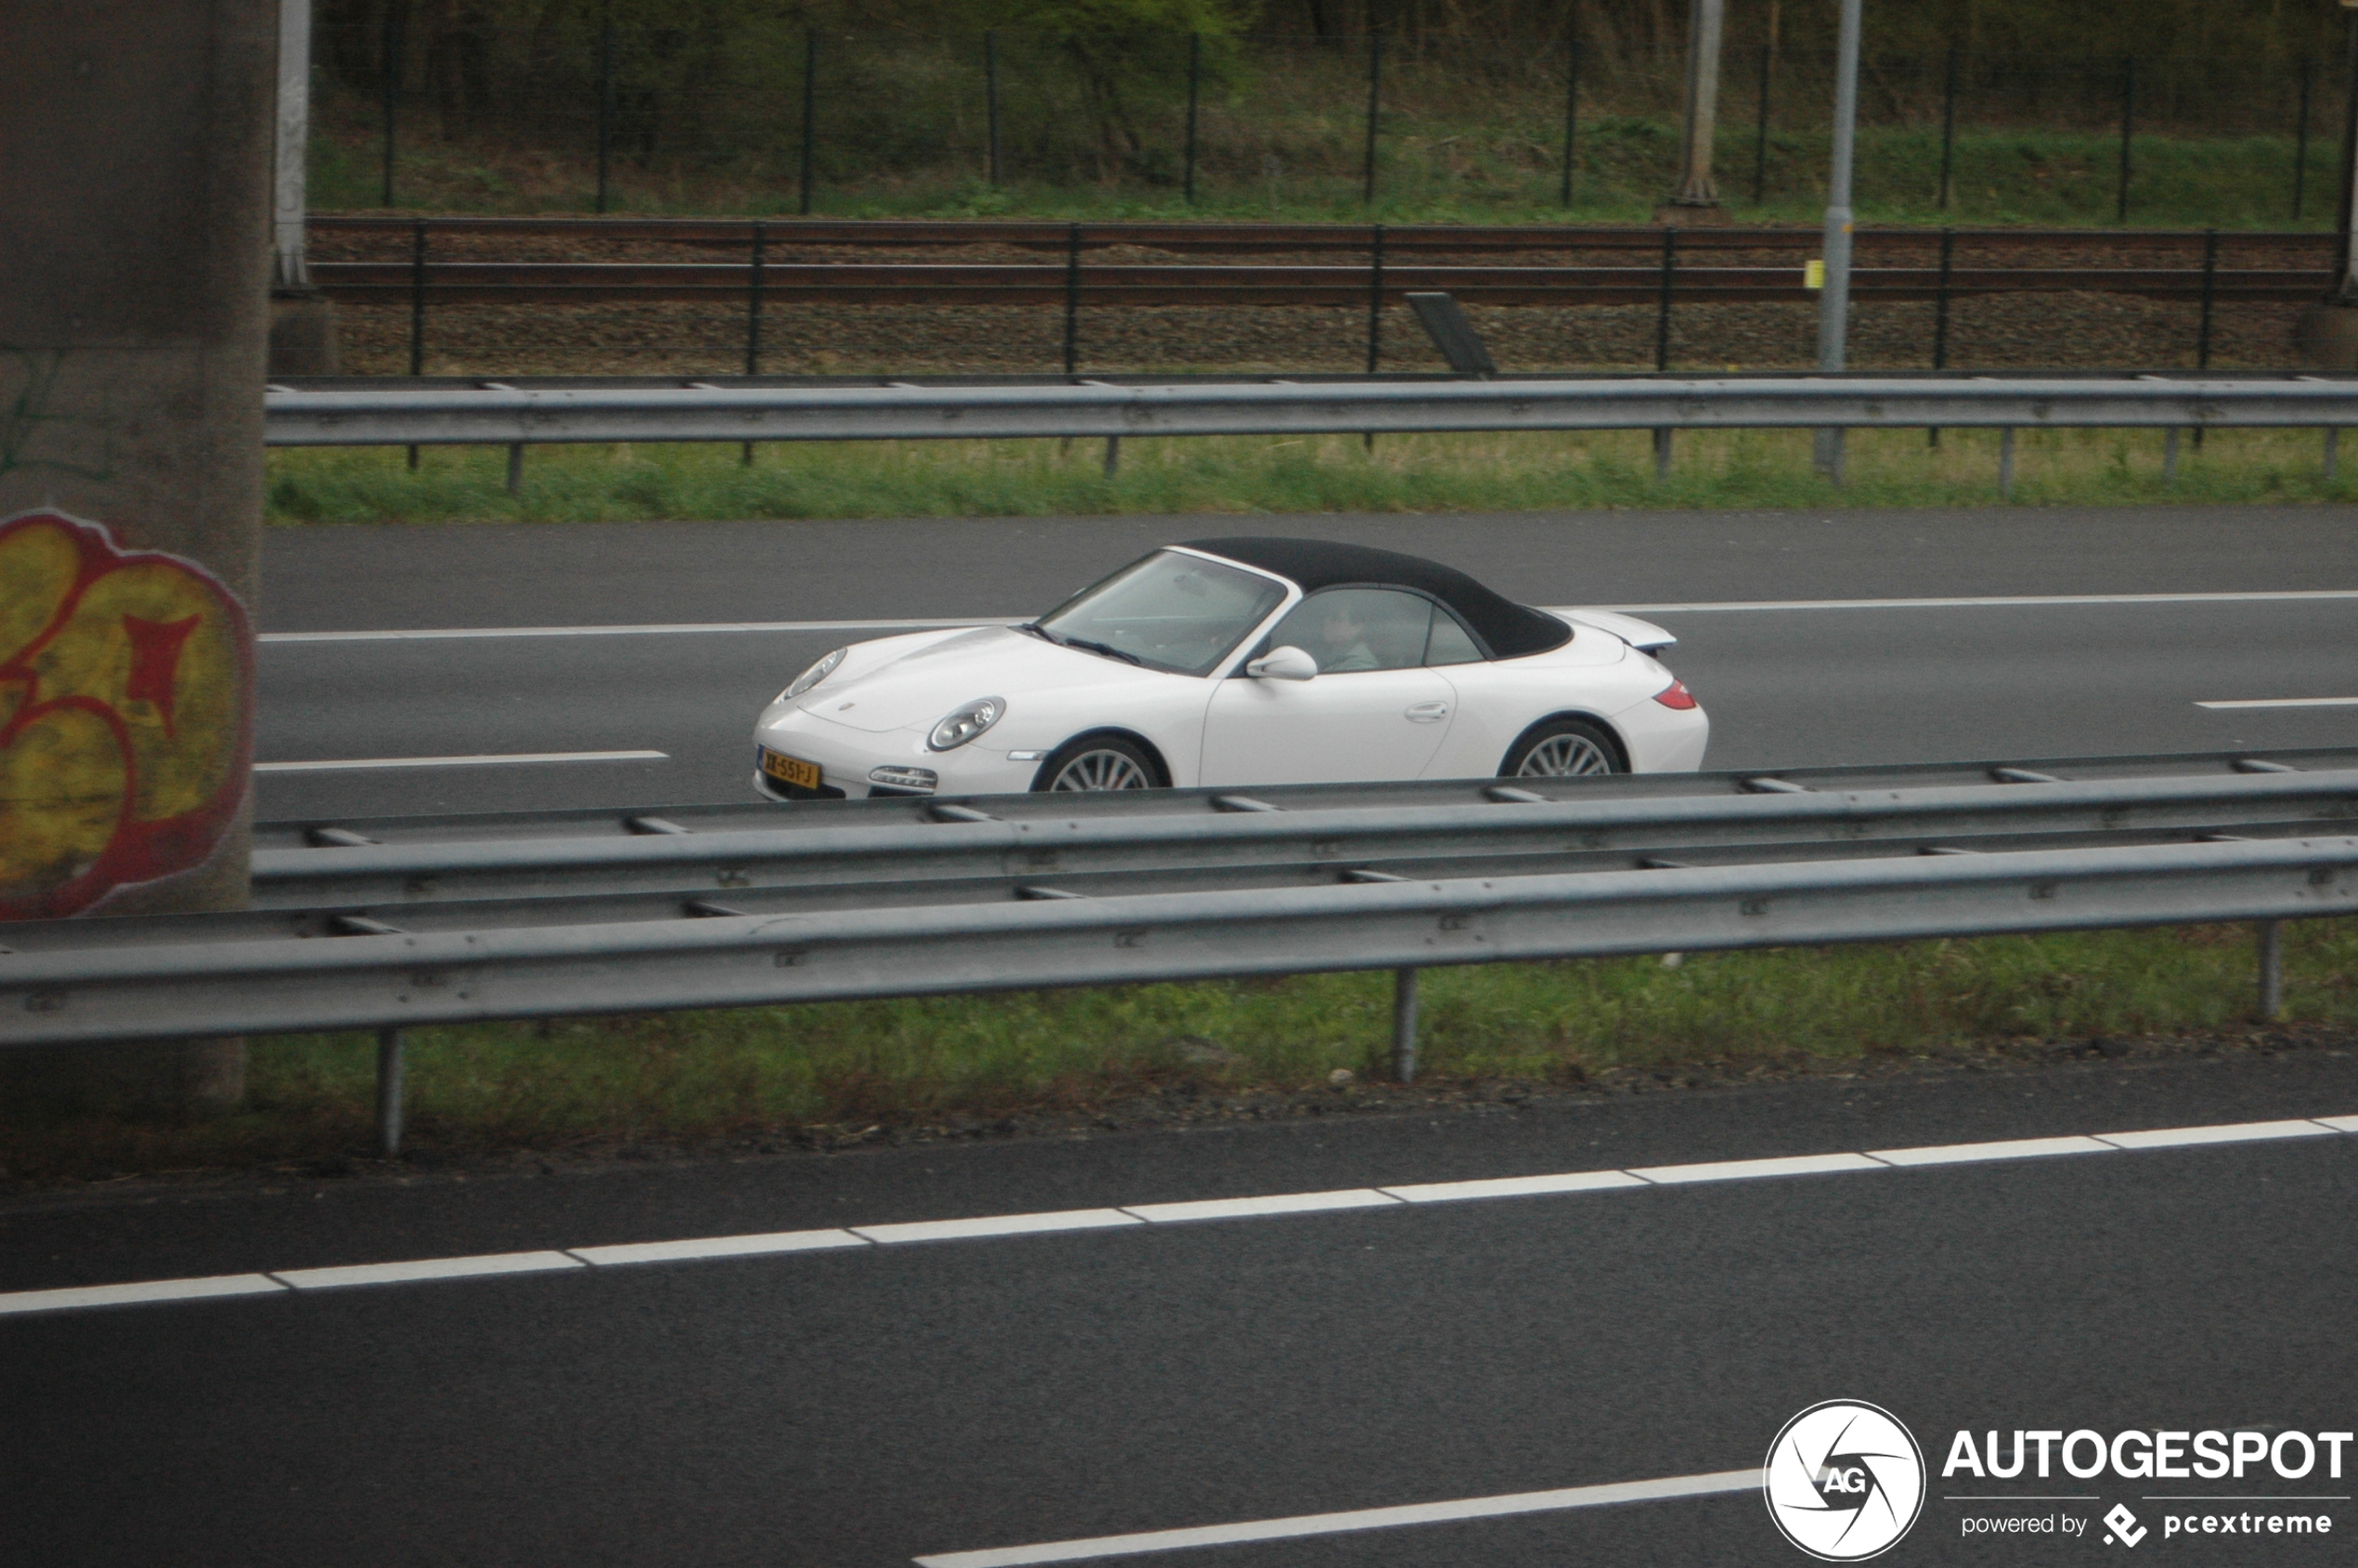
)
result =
(147, 1290)
(1511, 1186)
(1974, 1154)
(353, 764)
(1754, 1170)
(2285, 702)
(992, 1226)
(716, 1247)
(996, 1224)
(2234, 1133)
(694, 628)
(1713, 1484)
(1257, 1208)
(426, 1268)
(704, 629)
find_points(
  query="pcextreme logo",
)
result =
(1845, 1481)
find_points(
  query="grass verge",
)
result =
(821, 1074)
(1245, 475)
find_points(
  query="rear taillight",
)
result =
(1676, 695)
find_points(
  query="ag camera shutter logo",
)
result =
(1845, 1481)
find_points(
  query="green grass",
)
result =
(1751, 469)
(929, 1063)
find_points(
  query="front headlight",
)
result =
(966, 723)
(812, 676)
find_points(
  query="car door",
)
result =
(1373, 711)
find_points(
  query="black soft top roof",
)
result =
(1511, 629)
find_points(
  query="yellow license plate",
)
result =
(790, 770)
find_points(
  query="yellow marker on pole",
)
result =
(1813, 273)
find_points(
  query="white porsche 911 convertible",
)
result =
(1247, 661)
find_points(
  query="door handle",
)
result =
(1426, 713)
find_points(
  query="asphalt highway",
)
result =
(1786, 685)
(875, 1406)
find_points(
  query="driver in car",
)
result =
(1342, 642)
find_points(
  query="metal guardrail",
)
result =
(497, 415)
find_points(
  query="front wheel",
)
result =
(1561, 748)
(1097, 762)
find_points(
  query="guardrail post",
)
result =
(1113, 455)
(1403, 1025)
(2170, 456)
(515, 468)
(2006, 463)
(389, 1092)
(2333, 440)
(2269, 938)
(1662, 434)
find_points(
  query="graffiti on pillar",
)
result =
(126, 684)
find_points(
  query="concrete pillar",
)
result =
(135, 192)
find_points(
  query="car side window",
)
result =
(1450, 643)
(1359, 628)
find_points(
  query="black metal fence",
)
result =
(577, 114)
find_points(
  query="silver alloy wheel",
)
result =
(1565, 757)
(1102, 770)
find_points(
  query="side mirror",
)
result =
(1288, 663)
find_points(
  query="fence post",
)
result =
(753, 298)
(2269, 938)
(1662, 312)
(1760, 129)
(2210, 293)
(1572, 113)
(389, 1075)
(1403, 1025)
(1949, 132)
(810, 107)
(1375, 103)
(605, 100)
(2127, 125)
(1941, 317)
(392, 92)
(1195, 86)
(416, 308)
(2301, 141)
(1072, 299)
(1375, 298)
(991, 97)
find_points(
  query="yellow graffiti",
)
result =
(124, 715)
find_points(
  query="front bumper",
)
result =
(848, 761)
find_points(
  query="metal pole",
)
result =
(392, 92)
(1375, 103)
(1700, 132)
(389, 1076)
(2006, 463)
(1949, 133)
(1195, 85)
(2127, 125)
(2210, 293)
(605, 100)
(1760, 130)
(416, 309)
(515, 468)
(2346, 210)
(1072, 299)
(287, 186)
(2301, 138)
(753, 297)
(1403, 1025)
(1941, 317)
(810, 107)
(1833, 304)
(1572, 113)
(1375, 298)
(1113, 455)
(2269, 938)
(991, 97)
(2333, 453)
(2170, 456)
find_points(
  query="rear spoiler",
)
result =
(1644, 636)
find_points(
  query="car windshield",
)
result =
(1171, 612)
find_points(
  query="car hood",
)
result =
(917, 689)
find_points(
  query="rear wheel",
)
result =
(1097, 762)
(1561, 748)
